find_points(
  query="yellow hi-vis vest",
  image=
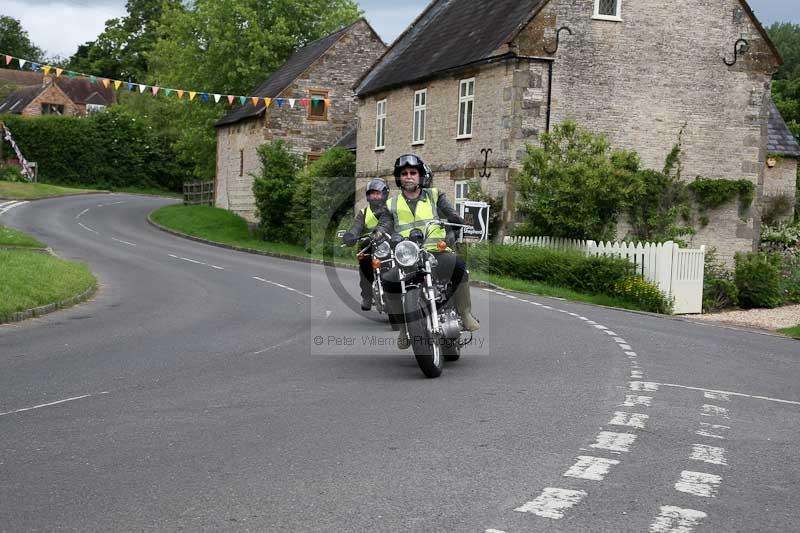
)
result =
(405, 220)
(370, 220)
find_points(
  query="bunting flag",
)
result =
(204, 96)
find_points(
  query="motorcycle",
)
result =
(376, 245)
(434, 326)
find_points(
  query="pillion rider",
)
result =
(416, 204)
(365, 222)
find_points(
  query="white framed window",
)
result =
(460, 196)
(466, 107)
(607, 10)
(420, 107)
(94, 108)
(380, 126)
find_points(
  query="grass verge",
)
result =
(221, 226)
(541, 289)
(792, 332)
(16, 190)
(31, 279)
(17, 239)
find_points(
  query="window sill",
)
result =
(380, 149)
(464, 138)
(606, 17)
(418, 143)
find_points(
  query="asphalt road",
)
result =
(210, 390)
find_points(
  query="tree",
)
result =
(231, 46)
(786, 37)
(121, 51)
(14, 40)
(273, 189)
(574, 186)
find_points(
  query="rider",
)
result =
(365, 222)
(417, 204)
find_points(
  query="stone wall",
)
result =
(51, 95)
(336, 72)
(660, 70)
(781, 181)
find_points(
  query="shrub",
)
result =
(645, 294)
(273, 189)
(790, 277)
(719, 289)
(758, 281)
(10, 173)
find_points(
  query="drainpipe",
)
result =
(549, 93)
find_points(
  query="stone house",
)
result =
(783, 153)
(313, 106)
(471, 82)
(57, 96)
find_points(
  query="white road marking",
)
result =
(714, 410)
(547, 307)
(709, 454)
(123, 242)
(631, 354)
(3, 204)
(717, 396)
(600, 327)
(629, 419)
(87, 228)
(631, 400)
(698, 483)
(591, 468)
(643, 386)
(52, 403)
(283, 287)
(10, 205)
(615, 442)
(82, 213)
(711, 427)
(215, 267)
(676, 520)
(612, 334)
(553, 502)
(583, 318)
(619, 340)
(636, 374)
(626, 346)
(116, 203)
(191, 261)
(494, 531)
(731, 393)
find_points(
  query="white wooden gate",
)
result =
(677, 272)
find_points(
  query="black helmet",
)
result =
(379, 185)
(410, 160)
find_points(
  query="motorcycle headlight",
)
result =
(383, 250)
(406, 253)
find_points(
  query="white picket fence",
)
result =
(677, 272)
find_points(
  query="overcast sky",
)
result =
(59, 26)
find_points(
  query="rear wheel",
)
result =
(426, 345)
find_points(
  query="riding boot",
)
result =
(394, 306)
(464, 307)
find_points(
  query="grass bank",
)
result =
(16, 239)
(30, 279)
(15, 190)
(792, 332)
(221, 226)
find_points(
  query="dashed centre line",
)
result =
(52, 403)
(87, 228)
(283, 287)
(123, 242)
(195, 262)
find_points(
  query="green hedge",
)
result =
(570, 270)
(105, 150)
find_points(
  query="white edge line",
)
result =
(52, 403)
(731, 393)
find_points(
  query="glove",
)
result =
(349, 239)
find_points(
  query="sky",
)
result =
(59, 26)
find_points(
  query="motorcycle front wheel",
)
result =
(425, 344)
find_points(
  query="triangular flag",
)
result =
(93, 79)
(316, 101)
(192, 94)
(291, 103)
(280, 102)
(267, 102)
(304, 103)
(204, 97)
(142, 88)
(8, 59)
(106, 82)
(155, 90)
(169, 92)
(231, 98)
(255, 100)
(21, 62)
(59, 71)
(47, 70)
(242, 99)
(216, 98)
(180, 94)
(129, 86)
(35, 66)
(117, 83)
